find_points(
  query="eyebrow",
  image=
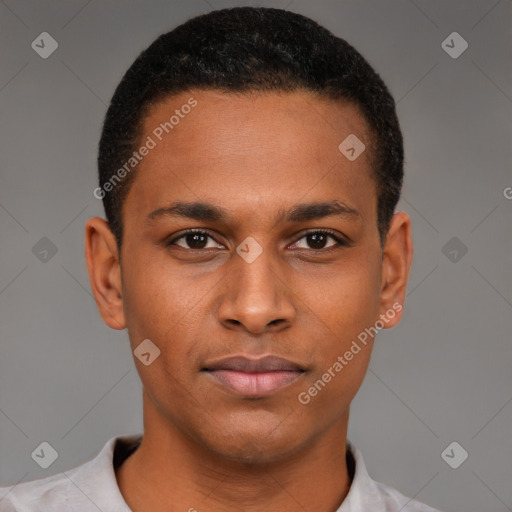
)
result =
(298, 213)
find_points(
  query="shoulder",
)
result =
(36, 495)
(394, 501)
(84, 488)
(367, 495)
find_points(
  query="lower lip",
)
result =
(255, 384)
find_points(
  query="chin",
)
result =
(252, 454)
(255, 446)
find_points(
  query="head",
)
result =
(298, 250)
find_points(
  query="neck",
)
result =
(171, 472)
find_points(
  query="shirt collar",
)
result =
(97, 479)
(363, 494)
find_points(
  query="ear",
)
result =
(104, 269)
(396, 262)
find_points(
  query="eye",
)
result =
(318, 239)
(193, 239)
(199, 239)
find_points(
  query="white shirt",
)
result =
(92, 487)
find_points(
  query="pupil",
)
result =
(193, 240)
(317, 240)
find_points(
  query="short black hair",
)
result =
(244, 50)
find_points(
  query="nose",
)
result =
(257, 298)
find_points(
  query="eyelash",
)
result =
(340, 241)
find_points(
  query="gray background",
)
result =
(442, 375)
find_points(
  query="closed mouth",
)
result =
(254, 378)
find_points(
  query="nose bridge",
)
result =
(256, 298)
(255, 275)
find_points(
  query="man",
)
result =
(250, 164)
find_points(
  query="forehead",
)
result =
(249, 121)
(258, 148)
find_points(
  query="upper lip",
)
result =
(269, 363)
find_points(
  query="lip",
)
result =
(254, 378)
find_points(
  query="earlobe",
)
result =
(396, 263)
(102, 259)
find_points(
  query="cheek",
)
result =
(348, 301)
(348, 305)
(343, 352)
(153, 301)
(165, 307)
(157, 308)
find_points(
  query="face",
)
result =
(258, 312)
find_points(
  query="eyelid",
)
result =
(340, 240)
(188, 232)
